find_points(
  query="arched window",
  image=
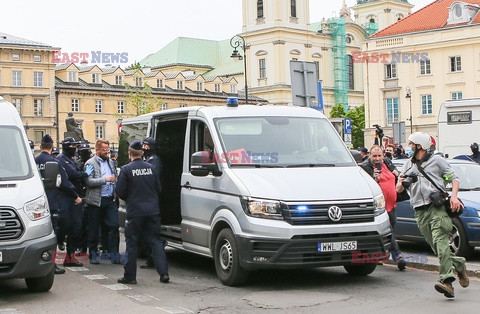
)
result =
(293, 8)
(259, 9)
(351, 80)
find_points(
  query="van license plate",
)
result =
(337, 246)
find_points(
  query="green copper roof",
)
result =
(196, 52)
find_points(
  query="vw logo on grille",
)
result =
(334, 213)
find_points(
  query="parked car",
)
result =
(466, 229)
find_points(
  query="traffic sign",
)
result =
(347, 126)
(304, 78)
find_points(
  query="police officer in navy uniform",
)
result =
(476, 155)
(46, 146)
(71, 210)
(138, 186)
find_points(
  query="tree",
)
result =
(140, 100)
(134, 66)
(358, 122)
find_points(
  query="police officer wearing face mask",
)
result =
(476, 155)
(70, 208)
(138, 186)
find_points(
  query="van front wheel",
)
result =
(360, 270)
(227, 261)
(41, 284)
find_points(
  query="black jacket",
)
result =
(74, 174)
(138, 186)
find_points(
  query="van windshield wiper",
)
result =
(252, 165)
(471, 189)
(310, 165)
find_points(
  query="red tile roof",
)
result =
(431, 17)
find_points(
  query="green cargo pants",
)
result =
(436, 226)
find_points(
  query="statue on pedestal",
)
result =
(74, 127)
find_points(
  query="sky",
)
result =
(138, 27)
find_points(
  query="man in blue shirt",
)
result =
(138, 186)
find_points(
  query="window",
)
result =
(183, 105)
(259, 9)
(121, 107)
(455, 64)
(351, 78)
(159, 83)
(75, 105)
(118, 80)
(457, 95)
(37, 58)
(38, 136)
(38, 79)
(72, 76)
(218, 88)
(199, 86)
(99, 131)
(390, 71)
(163, 107)
(138, 82)
(38, 107)
(179, 84)
(427, 104)
(98, 106)
(17, 102)
(262, 69)
(96, 78)
(425, 67)
(293, 8)
(15, 57)
(233, 88)
(392, 110)
(17, 78)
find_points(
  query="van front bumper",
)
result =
(24, 260)
(302, 251)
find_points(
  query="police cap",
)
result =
(150, 141)
(68, 141)
(137, 145)
(31, 143)
(474, 145)
(47, 139)
(55, 151)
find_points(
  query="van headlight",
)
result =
(37, 209)
(379, 204)
(269, 209)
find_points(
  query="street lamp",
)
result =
(236, 42)
(408, 95)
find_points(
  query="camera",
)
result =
(409, 179)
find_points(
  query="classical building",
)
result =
(27, 80)
(428, 57)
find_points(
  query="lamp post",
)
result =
(238, 41)
(408, 95)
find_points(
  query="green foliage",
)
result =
(358, 122)
(140, 100)
(134, 66)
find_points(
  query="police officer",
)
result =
(52, 194)
(138, 186)
(84, 154)
(476, 155)
(70, 213)
(55, 152)
(32, 146)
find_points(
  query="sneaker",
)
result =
(58, 270)
(61, 246)
(164, 278)
(446, 288)
(401, 265)
(71, 262)
(127, 281)
(463, 277)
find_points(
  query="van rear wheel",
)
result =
(41, 284)
(227, 261)
(360, 270)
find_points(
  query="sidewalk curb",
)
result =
(436, 268)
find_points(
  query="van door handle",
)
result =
(187, 185)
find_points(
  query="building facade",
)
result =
(415, 65)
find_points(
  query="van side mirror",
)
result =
(356, 155)
(52, 172)
(202, 163)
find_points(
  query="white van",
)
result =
(27, 239)
(262, 187)
(458, 125)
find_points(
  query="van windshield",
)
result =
(14, 163)
(281, 142)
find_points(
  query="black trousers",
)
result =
(149, 227)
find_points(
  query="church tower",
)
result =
(381, 12)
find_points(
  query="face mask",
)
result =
(389, 155)
(475, 150)
(69, 151)
(409, 151)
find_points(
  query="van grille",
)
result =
(11, 227)
(317, 213)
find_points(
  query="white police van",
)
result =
(262, 187)
(27, 239)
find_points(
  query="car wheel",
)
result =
(360, 270)
(227, 261)
(459, 241)
(41, 284)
